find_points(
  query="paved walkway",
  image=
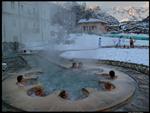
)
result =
(140, 100)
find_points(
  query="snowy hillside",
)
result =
(107, 17)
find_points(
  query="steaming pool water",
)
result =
(72, 80)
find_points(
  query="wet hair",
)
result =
(112, 74)
(73, 64)
(63, 94)
(19, 78)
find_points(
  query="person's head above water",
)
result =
(74, 64)
(112, 74)
(19, 78)
(109, 86)
(63, 94)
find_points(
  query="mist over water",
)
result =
(56, 78)
(70, 80)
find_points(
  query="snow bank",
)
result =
(90, 20)
(86, 46)
(139, 56)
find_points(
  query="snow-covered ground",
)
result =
(83, 42)
(139, 56)
(86, 41)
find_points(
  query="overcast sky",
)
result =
(109, 4)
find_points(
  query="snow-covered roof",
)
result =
(90, 20)
(113, 25)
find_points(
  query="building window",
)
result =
(84, 28)
(12, 5)
(34, 11)
(21, 6)
(92, 27)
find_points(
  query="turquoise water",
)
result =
(127, 36)
(71, 80)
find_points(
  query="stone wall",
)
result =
(138, 67)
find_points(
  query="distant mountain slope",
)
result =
(146, 19)
(129, 13)
(107, 17)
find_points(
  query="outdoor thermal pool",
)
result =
(55, 78)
